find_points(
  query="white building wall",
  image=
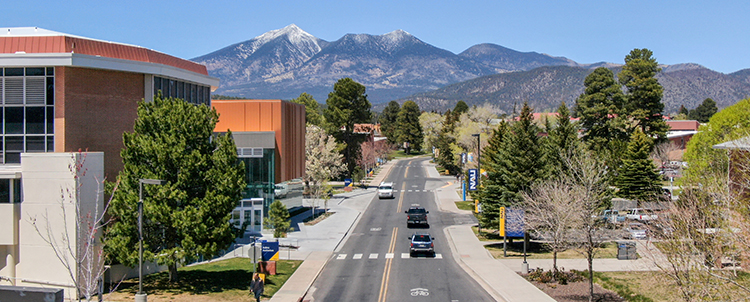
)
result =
(49, 197)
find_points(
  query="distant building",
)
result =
(59, 94)
(270, 138)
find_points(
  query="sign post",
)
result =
(501, 230)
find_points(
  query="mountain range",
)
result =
(283, 63)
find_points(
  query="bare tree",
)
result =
(81, 253)
(322, 162)
(707, 229)
(587, 177)
(551, 213)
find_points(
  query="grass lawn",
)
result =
(465, 205)
(225, 280)
(638, 286)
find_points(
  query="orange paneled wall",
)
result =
(286, 119)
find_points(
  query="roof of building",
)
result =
(686, 125)
(738, 144)
(32, 46)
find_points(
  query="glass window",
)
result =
(2, 72)
(35, 121)
(14, 120)
(50, 144)
(35, 71)
(35, 143)
(13, 72)
(50, 91)
(4, 190)
(200, 96)
(14, 143)
(181, 90)
(157, 85)
(12, 157)
(50, 71)
(17, 190)
(50, 120)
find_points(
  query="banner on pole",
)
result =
(473, 179)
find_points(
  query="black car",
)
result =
(422, 243)
(416, 215)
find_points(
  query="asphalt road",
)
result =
(374, 263)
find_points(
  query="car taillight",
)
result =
(432, 244)
(412, 244)
(408, 216)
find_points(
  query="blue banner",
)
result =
(514, 223)
(270, 251)
(472, 179)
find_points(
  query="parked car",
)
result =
(422, 243)
(416, 215)
(385, 190)
(642, 214)
(281, 190)
(612, 216)
(636, 230)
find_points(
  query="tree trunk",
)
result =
(590, 256)
(554, 265)
(173, 272)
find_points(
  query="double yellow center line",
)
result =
(387, 269)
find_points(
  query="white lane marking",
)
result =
(438, 256)
(389, 256)
(341, 257)
(404, 255)
(357, 256)
(374, 256)
(375, 229)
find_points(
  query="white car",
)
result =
(385, 190)
(636, 231)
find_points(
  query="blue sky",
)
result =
(710, 33)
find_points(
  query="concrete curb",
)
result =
(491, 291)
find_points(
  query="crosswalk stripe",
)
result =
(389, 256)
(373, 256)
(341, 256)
(357, 256)
(438, 256)
(404, 255)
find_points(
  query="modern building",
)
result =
(270, 138)
(59, 94)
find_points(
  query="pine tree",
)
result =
(408, 129)
(518, 163)
(387, 121)
(644, 93)
(347, 105)
(279, 216)
(704, 111)
(188, 217)
(312, 109)
(561, 139)
(601, 110)
(637, 177)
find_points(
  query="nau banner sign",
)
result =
(511, 222)
(473, 179)
(270, 251)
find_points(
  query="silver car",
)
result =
(636, 231)
(385, 190)
(422, 243)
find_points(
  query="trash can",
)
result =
(626, 250)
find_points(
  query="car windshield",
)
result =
(416, 211)
(636, 227)
(422, 238)
(385, 188)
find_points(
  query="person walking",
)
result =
(256, 286)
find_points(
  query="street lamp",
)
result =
(479, 174)
(141, 296)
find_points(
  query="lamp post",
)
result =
(479, 174)
(141, 296)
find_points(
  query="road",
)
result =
(374, 262)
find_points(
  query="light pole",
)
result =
(141, 296)
(479, 174)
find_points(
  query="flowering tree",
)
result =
(323, 161)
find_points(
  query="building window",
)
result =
(10, 190)
(27, 98)
(182, 90)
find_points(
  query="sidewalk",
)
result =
(318, 242)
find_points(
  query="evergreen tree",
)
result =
(312, 108)
(408, 129)
(637, 177)
(279, 216)
(644, 93)
(704, 111)
(444, 142)
(459, 109)
(601, 109)
(683, 110)
(188, 217)
(493, 145)
(346, 106)
(561, 139)
(388, 121)
(518, 163)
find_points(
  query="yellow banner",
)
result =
(501, 218)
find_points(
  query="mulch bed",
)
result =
(577, 291)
